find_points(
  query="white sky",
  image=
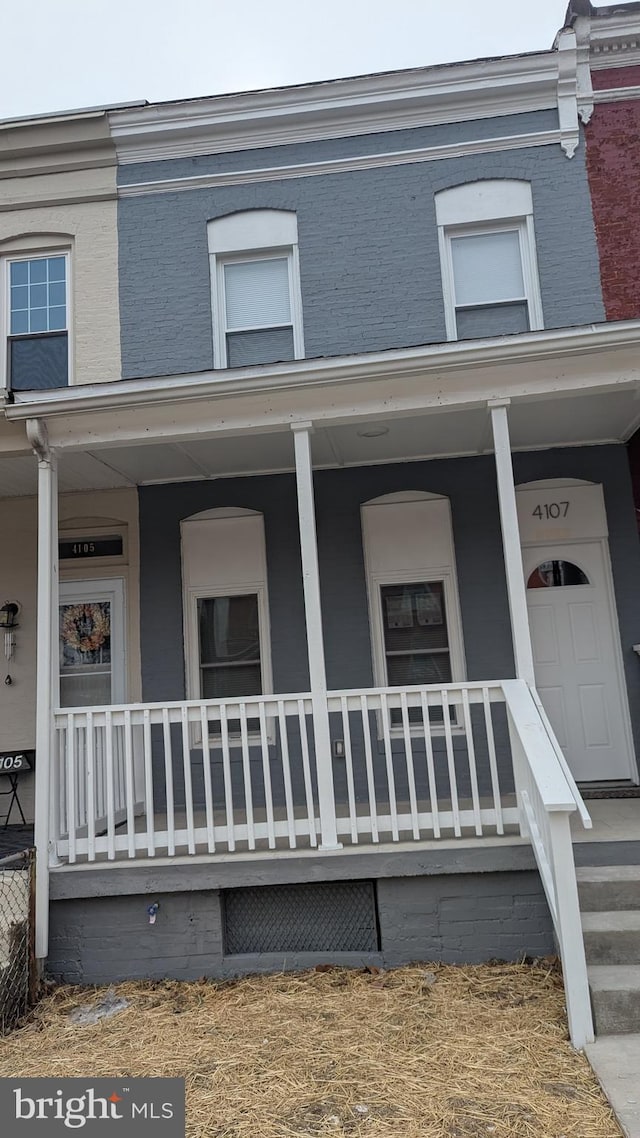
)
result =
(59, 54)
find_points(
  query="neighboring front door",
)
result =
(577, 659)
(92, 655)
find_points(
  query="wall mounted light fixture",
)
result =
(9, 613)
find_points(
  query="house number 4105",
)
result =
(551, 510)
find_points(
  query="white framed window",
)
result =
(411, 584)
(226, 606)
(255, 288)
(414, 611)
(36, 319)
(488, 259)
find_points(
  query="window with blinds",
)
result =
(229, 635)
(258, 311)
(416, 639)
(490, 297)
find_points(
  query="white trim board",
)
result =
(366, 104)
(343, 165)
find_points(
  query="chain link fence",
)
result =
(18, 977)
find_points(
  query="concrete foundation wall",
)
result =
(463, 918)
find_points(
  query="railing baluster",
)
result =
(348, 762)
(206, 774)
(368, 758)
(91, 790)
(147, 754)
(188, 789)
(306, 770)
(246, 770)
(109, 776)
(168, 774)
(493, 763)
(266, 774)
(226, 774)
(411, 778)
(431, 771)
(388, 755)
(286, 772)
(128, 772)
(471, 755)
(451, 764)
(71, 786)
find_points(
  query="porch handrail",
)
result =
(585, 817)
(547, 799)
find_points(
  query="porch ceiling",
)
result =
(561, 420)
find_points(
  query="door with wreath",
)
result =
(93, 676)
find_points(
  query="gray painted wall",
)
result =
(462, 919)
(369, 261)
(469, 483)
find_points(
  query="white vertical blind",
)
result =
(257, 293)
(487, 267)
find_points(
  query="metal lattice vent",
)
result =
(330, 917)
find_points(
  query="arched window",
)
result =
(255, 288)
(412, 587)
(555, 574)
(488, 259)
(226, 606)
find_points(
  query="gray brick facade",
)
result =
(369, 262)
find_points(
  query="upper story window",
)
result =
(36, 318)
(255, 288)
(488, 259)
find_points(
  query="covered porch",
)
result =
(320, 768)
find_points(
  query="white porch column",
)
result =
(46, 671)
(516, 587)
(315, 644)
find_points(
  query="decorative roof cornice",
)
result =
(366, 104)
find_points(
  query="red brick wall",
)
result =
(615, 77)
(613, 166)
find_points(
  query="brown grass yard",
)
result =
(421, 1052)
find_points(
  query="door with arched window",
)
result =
(576, 657)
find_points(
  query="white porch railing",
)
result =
(208, 777)
(187, 778)
(547, 796)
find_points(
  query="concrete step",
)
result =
(615, 996)
(608, 887)
(612, 937)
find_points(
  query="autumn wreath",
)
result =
(85, 627)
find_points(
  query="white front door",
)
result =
(577, 659)
(92, 653)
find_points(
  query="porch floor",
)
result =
(614, 820)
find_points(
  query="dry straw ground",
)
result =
(420, 1052)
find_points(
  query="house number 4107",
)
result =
(551, 510)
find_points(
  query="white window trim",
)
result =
(219, 308)
(250, 236)
(488, 206)
(524, 228)
(192, 646)
(8, 258)
(443, 575)
(225, 587)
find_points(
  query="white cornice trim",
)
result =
(361, 105)
(615, 41)
(434, 358)
(616, 94)
(342, 165)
